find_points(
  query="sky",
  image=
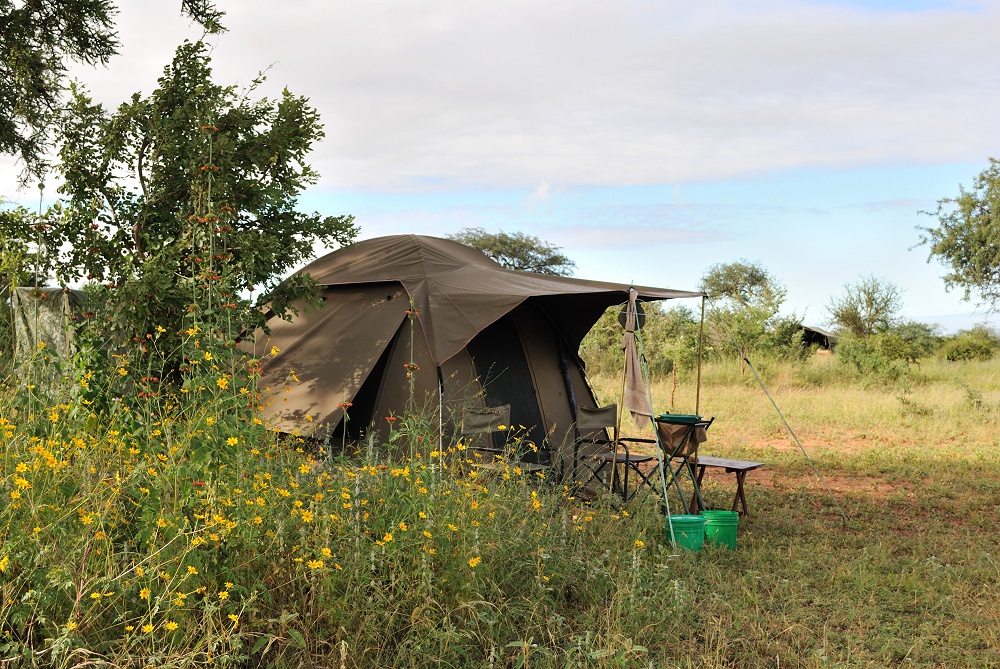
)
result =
(650, 139)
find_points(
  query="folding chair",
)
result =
(480, 427)
(679, 436)
(600, 456)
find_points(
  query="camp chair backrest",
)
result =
(488, 419)
(589, 419)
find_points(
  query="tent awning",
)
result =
(460, 291)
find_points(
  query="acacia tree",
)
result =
(967, 239)
(38, 38)
(518, 251)
(745, 300)
(184, 202)
(867, 307)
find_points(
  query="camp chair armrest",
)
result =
(625, 441)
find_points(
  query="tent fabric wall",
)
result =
(482, 335)
(44, 316)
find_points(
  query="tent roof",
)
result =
(458, 291)
(825, 333)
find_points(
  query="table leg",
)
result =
(697, 505)
(740, 495)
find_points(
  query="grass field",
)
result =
(122, 543)
(911, 579)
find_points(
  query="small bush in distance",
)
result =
(977, 343)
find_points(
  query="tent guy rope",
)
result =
(795, 437)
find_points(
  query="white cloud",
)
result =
(450, 94)
(595, 92)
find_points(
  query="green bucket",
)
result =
(720, 527)
(689, 531)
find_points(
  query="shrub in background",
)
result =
(978, 343)
(881, 358)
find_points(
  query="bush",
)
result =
(978, 343)
(882, 358)
(669, 339)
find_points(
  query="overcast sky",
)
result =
(650, 139)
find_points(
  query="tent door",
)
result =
(503, 368)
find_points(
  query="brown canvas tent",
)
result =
(482, 335)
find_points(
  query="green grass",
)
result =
(515, 572)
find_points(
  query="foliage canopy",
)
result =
(869, 306)
(185, 201)
(37, 40)
(967, 239)
(745, 300)
(518, 251)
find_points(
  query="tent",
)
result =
(44, 315)
(824, 339)
(432, 314)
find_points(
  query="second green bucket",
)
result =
(720, 527)
(689, 531)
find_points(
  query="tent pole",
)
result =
(701, 348)
(440, 415)
(618, 419)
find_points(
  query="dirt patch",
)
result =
(869, 485)
(850, 444)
